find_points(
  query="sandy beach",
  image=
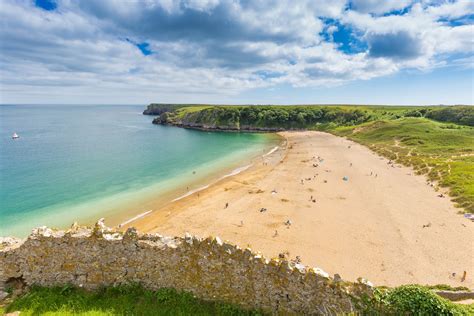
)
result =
(337, 206)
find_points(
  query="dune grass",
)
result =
(443, 152)
(122, 300)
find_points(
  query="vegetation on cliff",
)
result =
(300, 117)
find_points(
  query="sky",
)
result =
(237, 51)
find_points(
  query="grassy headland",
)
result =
(277, 117)
(437, 141)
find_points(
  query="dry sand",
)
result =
(389, 227)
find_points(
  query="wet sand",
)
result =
(382, 222)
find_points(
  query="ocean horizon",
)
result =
(83, 162)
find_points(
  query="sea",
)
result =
(79, 163)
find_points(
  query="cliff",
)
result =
(209, 268)
(160, 108)
(277, 118)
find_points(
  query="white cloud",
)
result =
(418, 38)
(217, 48)
(379, 6)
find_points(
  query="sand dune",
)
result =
(383, 223)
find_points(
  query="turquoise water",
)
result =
(80, 163)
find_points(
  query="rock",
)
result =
(456, 295)
(219, 241)
(321, 272)
(365, 282)
(3, 295)
(131, 234)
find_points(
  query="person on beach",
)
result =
(227, 205)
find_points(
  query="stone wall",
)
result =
(209, 268)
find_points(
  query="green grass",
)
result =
(442, 151)
(134, 300)
(191, 109)
(123, 300)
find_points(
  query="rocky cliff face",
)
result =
(208, 120)
(160, 108)
(209, 268)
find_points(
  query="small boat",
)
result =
(15, 136)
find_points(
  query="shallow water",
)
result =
(79, 163)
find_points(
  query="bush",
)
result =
(463, 115)
(413, 300)
(413, 113)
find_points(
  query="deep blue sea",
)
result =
(80, 163)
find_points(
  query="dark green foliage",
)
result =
(276, 117)
(303, 116)
(122, 300)
(463, 115)
(414, 113)
(412, 300)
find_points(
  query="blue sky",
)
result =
(231, 51)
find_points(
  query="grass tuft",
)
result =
(121, 300)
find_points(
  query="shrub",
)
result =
(413, 300)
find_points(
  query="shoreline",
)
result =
(120, 208)
(232, 173)
(143, 207)
(379, 223)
